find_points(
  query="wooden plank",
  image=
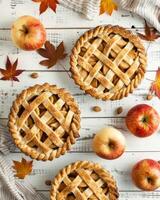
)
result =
(89, 126)
(120, 168)
(64, 17)
(129, 195)
(9, 92)
(30, 60)
(139, 195)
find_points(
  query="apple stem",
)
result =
(25, 29)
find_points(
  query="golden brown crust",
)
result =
(84, 186)
(16, 123)
(129, 85)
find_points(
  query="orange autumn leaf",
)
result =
(151, 34)
(22, 168)
(45, 4)
(108, 6)
(155, 87)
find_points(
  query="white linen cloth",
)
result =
(10, 187)
(90, 8)
(147, 9)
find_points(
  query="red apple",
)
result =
(146, 175)
(109, 143)
(142, 120)
(28, 33)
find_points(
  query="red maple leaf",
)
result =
(45, 4)
(11, 72)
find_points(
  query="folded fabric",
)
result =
(90, 8)
(12, 188)
(147, 9)
(6, 144)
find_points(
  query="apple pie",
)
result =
(108, 62)
(84, 180)
(44, 121)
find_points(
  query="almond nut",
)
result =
(149, 97)
(119, 110)
(34, 75)
(48, 182)
(96, 109)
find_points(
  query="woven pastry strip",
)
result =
(84, 180)
(108, 62)
(44, 121)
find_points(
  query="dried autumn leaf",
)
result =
(155, 87)
(151, 34)
(53, 54)
(11, 71)
(45, 4)
(108, 6)
(22, 168)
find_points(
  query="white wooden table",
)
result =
(68, 26)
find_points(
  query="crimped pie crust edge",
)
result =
(107, 177)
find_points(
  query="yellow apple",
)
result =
(109, 143)
(28, 33)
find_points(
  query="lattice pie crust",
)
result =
(44, 121)
(84, 180)
(108, 62)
